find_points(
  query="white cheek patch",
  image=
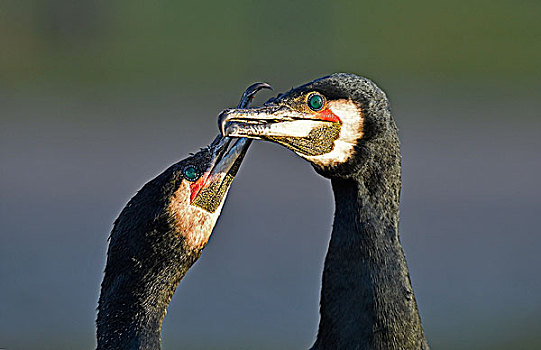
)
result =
(194, 224)
(350, 132)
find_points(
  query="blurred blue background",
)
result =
(97, 97)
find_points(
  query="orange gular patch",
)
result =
(197, 186)
(328, 116)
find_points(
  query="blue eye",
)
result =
(315, 101)
(190, 173)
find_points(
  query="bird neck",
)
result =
(146, 260)
(132, 307)
(367, 301)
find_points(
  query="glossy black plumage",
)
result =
(146, 260)
(367, 301)
(158, 236)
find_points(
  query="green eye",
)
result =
(315, 101)
(190, 173)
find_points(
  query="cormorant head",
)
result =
(201, 185)
(208, 174)
(334, 122)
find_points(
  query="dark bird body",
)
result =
(146, 259)
(343, 126)
(158, 236)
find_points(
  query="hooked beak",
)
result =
(227, 154)
(266, 122)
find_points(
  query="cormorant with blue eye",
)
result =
(158, 236)
(342, 125)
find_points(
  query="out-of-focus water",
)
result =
(469, 222)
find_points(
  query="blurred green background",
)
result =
(97, 97)
(122, 43)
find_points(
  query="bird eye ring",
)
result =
(315, 101)
(191, 173)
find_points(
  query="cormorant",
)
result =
(158, 236)
(342, 125)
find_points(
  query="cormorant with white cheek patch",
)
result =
(342, 125)
(158, 236)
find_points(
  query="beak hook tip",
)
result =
(222, 119)
(246, 98)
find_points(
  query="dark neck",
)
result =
(132, 308)
(145, 262)
(367, 301)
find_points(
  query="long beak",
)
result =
(210, 189)
(221, 165)
(265, 122)
(227, 155)
(229, 151)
